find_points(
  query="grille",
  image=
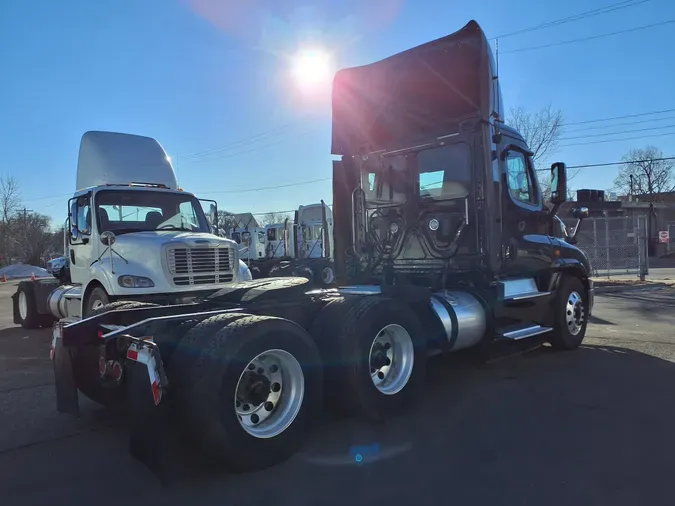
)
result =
(200, 265)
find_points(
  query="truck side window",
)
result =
(187, 213)
(84, 216)
(519, 178)
(271, 234)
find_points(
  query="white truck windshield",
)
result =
(122, 211)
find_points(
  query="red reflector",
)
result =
(132, 354)
(100, 334)
(155, 392)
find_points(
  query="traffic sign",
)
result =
(664, 236)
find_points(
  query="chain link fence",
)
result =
(616, 245)
(670, 247)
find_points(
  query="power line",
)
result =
(619, 163)
(238, 153)
(600, 127)
(239, 143)
(591, 37)
(609, 164)
(616, 140)
(662, 111)
(604, 134)
(577, 17)
(263, 187)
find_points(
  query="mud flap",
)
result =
(150, 440)
(67, 400)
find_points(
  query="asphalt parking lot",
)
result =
(592, 427)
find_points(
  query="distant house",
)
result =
(244, 220)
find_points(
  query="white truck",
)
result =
(132, 234)
(301, 247)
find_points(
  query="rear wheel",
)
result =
(86, 364)
(255, 388)
(570, 315)
(375, 352)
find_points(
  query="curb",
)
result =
(600, 290)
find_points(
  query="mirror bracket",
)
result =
(580, 214)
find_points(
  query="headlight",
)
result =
(244, 272)
(128, 281)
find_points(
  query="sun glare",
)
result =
(312, 68)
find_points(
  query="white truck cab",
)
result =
(311, 236)
(133, 234)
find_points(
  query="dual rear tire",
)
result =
(249, 388)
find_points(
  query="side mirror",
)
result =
(213, 216)
(108, 238)
(558, 183)
(578, 213)
(74, 231)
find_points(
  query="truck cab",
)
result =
(434, 190)
(132, 233)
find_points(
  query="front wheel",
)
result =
(571, 314)
(97, 299)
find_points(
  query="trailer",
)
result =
(442, 242)
(131, 234)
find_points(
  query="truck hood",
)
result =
(422, 91)
(146, 243)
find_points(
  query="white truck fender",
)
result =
(244, 272)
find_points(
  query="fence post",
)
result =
(609, 268)
(646, 248)
(595, 243)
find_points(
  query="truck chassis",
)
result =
(244, 371)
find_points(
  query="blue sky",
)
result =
(205, 77)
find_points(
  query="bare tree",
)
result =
(644, 175)
(10, 201)
(541, 130)
(33, 238)
(226, 221)
(273, 217)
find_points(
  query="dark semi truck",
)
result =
(442, 242)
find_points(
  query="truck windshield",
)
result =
(445, 173)
(122, 211)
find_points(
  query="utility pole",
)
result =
(25, 225)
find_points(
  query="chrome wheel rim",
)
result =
(391, 359)
(269, 394)
(23, 305)
(575, 313)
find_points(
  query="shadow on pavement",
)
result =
(655, 306)
(599, 321)
(24, 358)
(587, 427)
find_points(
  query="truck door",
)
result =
(81, 247)
(526, 245)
